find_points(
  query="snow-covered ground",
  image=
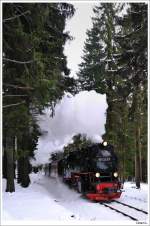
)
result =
(47, 201)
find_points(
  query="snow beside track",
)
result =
(47, 201)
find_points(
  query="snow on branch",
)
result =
(117, 100)
(16, 16)
(15, 95)
(18, 87)
(129, 34)
(18, 62)
(111, 70)
(11, 105)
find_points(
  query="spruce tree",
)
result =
(133, 68)
(34, 74)
(118, 68)
(98, 69)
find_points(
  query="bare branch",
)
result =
(11, 105)
(16, 16)
(18, 62)
(15, 95)
(18, 87)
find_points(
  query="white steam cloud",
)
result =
(83, 113)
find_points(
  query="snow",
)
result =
(139, 199)
(83, 113)
(111, 70)
(48, 201)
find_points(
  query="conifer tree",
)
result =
(97, 71)
(133, 68)
(118, 68)
(34, 75)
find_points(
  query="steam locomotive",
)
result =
(93, 171)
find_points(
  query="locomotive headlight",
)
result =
(97, 174)
(115, 174)
(105, 143)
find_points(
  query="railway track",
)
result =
(124, 204)
(118, 211)
(134, 212)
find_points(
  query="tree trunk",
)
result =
(123, 165)
(23, 171)
(10, 187)
(144, 171)
(25, 180)
(137, 170)
(23, 164)
(19, 170)
(4, 158)
(15, 162)
(138, 158)
(138, 164)
(4, 165)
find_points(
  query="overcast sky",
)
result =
(80, 22)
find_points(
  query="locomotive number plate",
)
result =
(105, 159)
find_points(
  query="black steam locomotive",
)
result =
(92, 171)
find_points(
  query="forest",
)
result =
(35, 76)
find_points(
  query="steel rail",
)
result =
(124, 204)
(118, 211)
